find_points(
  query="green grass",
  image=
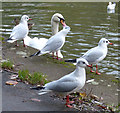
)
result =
(7, 65)
(1, 38)
(35, 78)
(116, 81)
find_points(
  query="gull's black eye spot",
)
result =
(106, 41)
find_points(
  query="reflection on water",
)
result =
(89, 23)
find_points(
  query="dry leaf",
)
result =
(35, 99)
(13, 77)
(83, 94)
(95, 97)
(11, 82)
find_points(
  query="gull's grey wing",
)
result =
(52, 46)
(19, 31)
(93, 54)
(62, 85)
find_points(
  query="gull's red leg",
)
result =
(57, 56)
(68, 102)
(24, 44)
(91, 69)
(16, 44)
(97, 70)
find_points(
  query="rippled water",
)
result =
(89, 23)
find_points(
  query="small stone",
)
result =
(109, 85)
(95, 83)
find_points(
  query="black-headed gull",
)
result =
(96, 54)
(39, 43)
(16, 21)
(54, 43)
(20, 31)
(69, 83)
(111, 6)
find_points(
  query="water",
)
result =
(89, 23)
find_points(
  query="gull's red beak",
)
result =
(30, 18)
(89, 66)
(111, 43)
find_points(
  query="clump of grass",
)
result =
(7, 65)
(1, 38)
(35, 78)
(116, 81)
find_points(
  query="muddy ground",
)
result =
(18, 98)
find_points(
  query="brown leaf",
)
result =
(11, 82)
(83, 94)
(35, 99)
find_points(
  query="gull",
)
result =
(96, 54)
(54, 43)
(69, 83)
(39, 43)
(20, 31)
(16, 21)
(111, 6)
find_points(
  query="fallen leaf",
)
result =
(95, 97)
(88, 81)
(94, 83)
(21, 53)
(13, 77)
(11, 82)
(83, 94)
(35, 99)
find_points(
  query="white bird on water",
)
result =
(39, 43)
(96, 54)
(20, 31)
(67, 84)
(54, 43)
(111, 6)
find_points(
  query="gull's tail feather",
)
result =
(71, 60)
(35, 54)
(42, 92)
(37, 87)
(10, 40)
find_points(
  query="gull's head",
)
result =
(81, 62)
(57, 17)
(104, 42)
(110, 3)
(66, 28)
(25, 18)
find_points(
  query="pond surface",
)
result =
(89, 23)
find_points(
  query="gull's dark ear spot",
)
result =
(106, 41)
(83, 62)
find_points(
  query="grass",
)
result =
(35, 78)
(1, 38)
(116, 81)
(7, 65)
